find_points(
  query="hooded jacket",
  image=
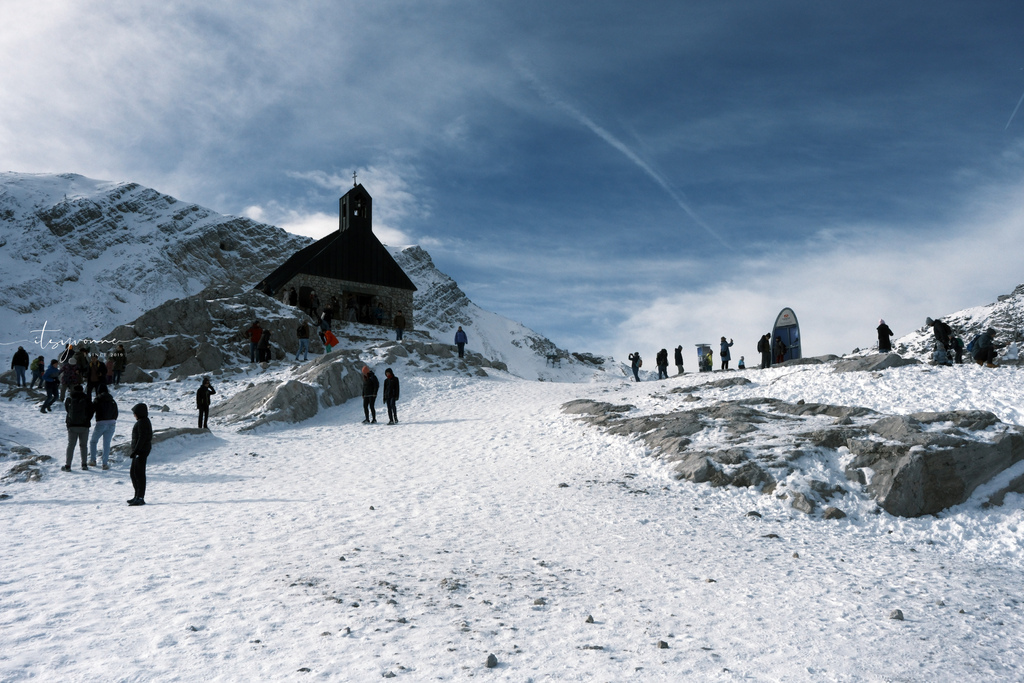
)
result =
(142, 432)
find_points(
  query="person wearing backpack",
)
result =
(635, 363)
(985, 348)
(679, 359)
(37, 368)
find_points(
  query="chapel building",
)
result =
(349, 267)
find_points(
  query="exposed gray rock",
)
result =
(896, 614)
(833, 513)
(813, 360)
(123, 450)
(919, 463)
(875, 362)
(928, 480)
(28, 469)
(802, 503)
(491, 662)
(133, 374)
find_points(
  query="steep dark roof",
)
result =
(353, 255)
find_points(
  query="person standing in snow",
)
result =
(742, 365)
(142, 443)
(203, 394)
(764, 347)
(461, 340)
(302, 334)
(399, 326)
(371, 385)
(106, 423)
(679, 359)
(884, 337)
(725, 353)
(391, 396)
(293, 297)
(69, 377)
(95, 376)
(635, 363)
(120, 359)
(780, 350)
(254, 333)
(661, 360)
(264, 347)
(19, 363)
(78, 418)
(51, 380)
(37, 368)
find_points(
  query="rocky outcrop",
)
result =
(874, 362)
(810, 453)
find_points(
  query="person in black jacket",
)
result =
(20, 365)
(391, 396)
(679, 359)
(78, 417)
(371, 385)
(884, 337)
(203, 394)
(764, 345)
(142, 442)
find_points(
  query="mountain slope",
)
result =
(1006, 316)
(84, 255)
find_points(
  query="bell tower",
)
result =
(355, 209)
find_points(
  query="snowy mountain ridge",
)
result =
(82, 257)
(1006, 316)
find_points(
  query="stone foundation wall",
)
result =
(391, 300)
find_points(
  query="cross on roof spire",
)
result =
(353, 179)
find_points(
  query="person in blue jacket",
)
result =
(461, 340)
(51, 380)
(725, 353)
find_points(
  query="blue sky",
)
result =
(618, 176)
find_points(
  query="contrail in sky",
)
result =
(600, 132)
(1014, 112)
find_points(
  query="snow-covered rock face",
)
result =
(84, 255)
(1006, 316)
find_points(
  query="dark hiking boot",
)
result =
(132, 500)
(92, 463)
(84, 466)
(137, 502)
(106, 467)
(65, 468)
(366, 422)
(374, 420)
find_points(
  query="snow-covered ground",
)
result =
(487, 522)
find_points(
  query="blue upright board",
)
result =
(787, 329)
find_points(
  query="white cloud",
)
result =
(840, 288)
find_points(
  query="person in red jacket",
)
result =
(254, 333)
